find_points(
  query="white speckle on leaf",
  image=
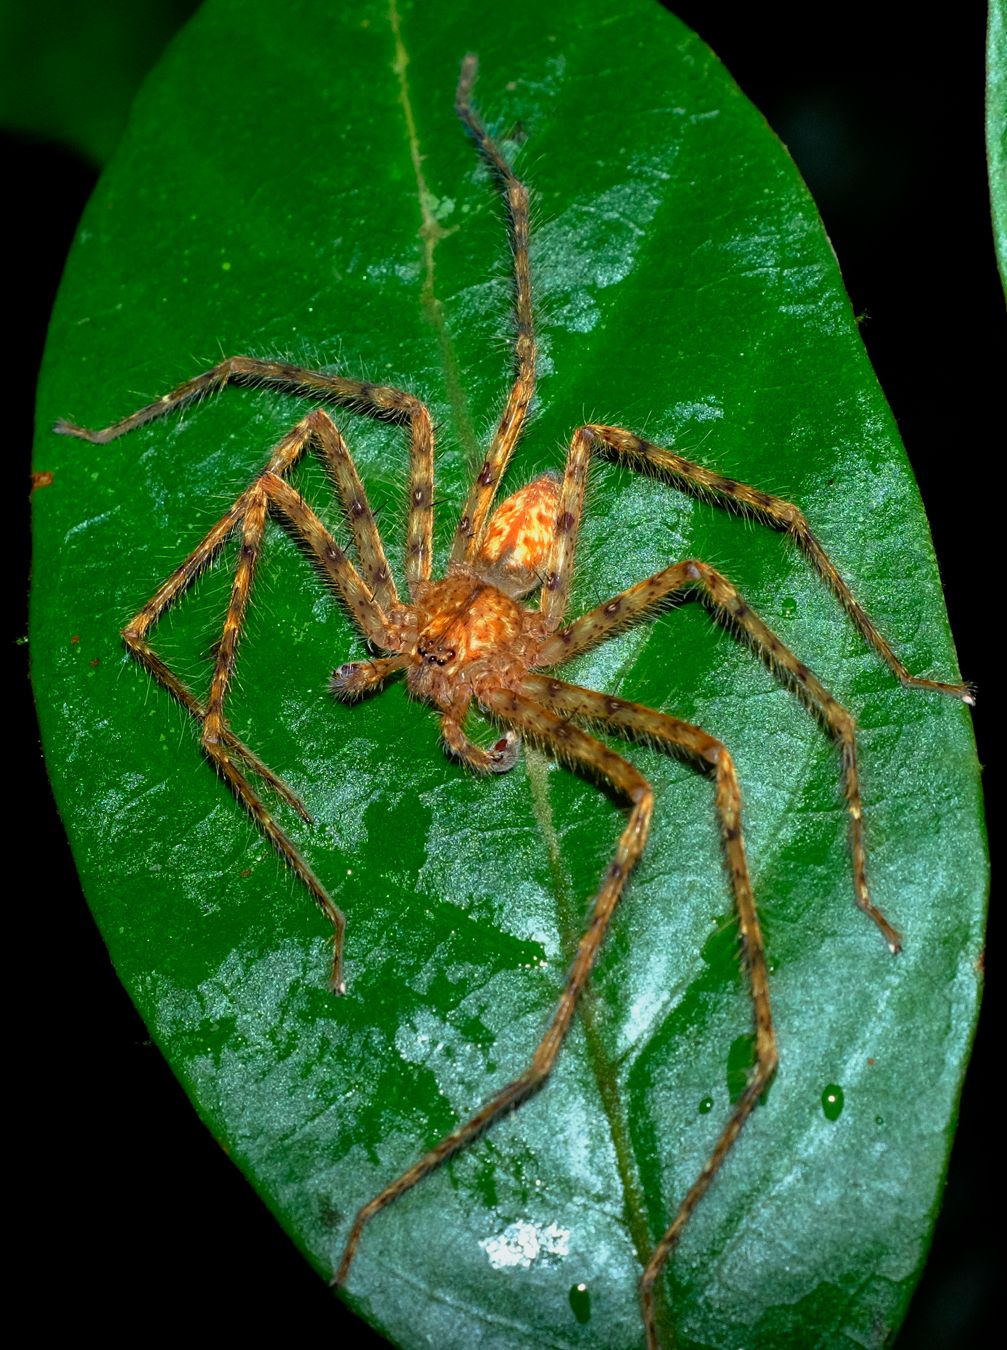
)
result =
(522, 1243)
(705, 410)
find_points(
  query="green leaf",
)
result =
(996, 127)
(297, 184)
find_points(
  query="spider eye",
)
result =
(436, 657)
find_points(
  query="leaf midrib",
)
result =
(602, 1066)
(431, 232)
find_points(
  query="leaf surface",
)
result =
(996, 128)
(297, 184)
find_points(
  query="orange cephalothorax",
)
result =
(462, 620)
(514, 552)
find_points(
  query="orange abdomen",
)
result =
(518, 537)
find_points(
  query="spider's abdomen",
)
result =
(516, 545)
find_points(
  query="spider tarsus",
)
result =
(64, 428)
(966, 691)
(339, 1278)
(336, 982)
(272, 783)
(341, 682)
(505, 752)
(892, 936)
(467, 78)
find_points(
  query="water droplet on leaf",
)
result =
(580, 1302)
(832, 1101)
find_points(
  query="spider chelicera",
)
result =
(468, 638)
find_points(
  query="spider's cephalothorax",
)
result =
(469, 638)
(468, 632)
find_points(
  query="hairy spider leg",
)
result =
(726, 602)
(249, 515)
(376, 400)
(646, 724)
(141, 649)
(589, 756)
(569, 512)
(355, 679)
(472, 524)
(774, 511)
(357, 509)
(728, 606)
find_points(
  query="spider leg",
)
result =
(728, 606)
(377, 400)
(569, 511)
(774, 511)
(595, 759)
(284, 457)
(472, 524)
(358, 597)
(253, 527)
(332, 560)
(254, 764)
(355, 679)
(359, 516)
(635, 720)
(215, 738)
(164, 675)
(134, 635)
(248, 514)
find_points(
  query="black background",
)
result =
(131, 1216)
